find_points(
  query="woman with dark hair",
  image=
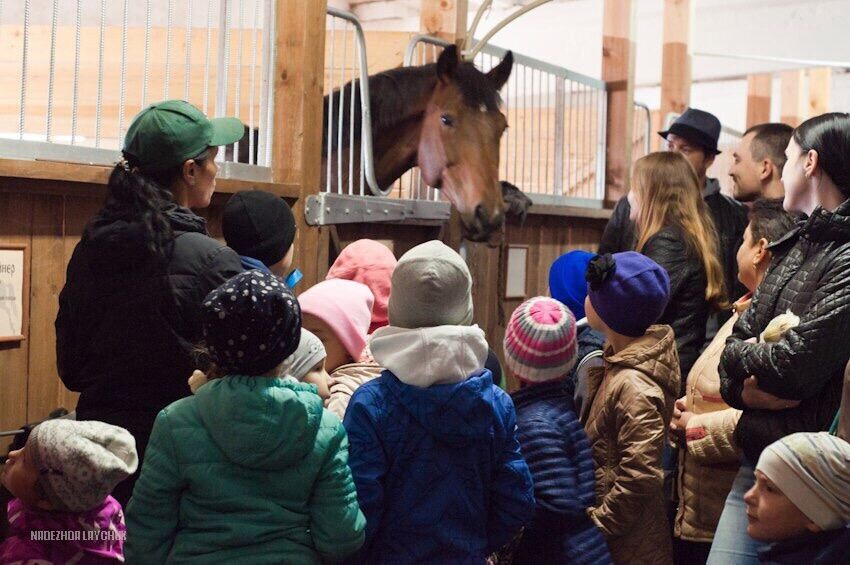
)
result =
(793, 384)
(129, 314)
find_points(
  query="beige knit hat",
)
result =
(431, 286)
(813, 471)
(79, 463)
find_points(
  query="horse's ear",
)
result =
(447, 63)
(499, 74)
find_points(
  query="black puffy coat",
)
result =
(810, 275)
(730, 220)
(687, 311)
(128, 322)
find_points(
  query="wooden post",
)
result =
(297, 135)
(820, 90)
(759, 89)
(657, 125)
(793, 109)
(445, 19)
(676, 57)
(618, 66)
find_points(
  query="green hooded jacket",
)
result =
(249, 469)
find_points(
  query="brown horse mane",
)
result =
(400, 94)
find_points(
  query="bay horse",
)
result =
(443, 117)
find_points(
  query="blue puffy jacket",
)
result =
(437, 467)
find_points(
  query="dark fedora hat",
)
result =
(698, 127)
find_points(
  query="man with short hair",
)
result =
(694, 134)
(758, 161)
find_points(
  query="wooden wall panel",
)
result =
(16, 214)
(46, 391)
(547, 238)
(399, 238)
(50, 217)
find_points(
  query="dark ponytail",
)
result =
(139, 197)
(829, 135)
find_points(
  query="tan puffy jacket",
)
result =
(347, 379)
(708, 466)
(633, 397)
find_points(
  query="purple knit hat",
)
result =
(540, 340)
(628, 291)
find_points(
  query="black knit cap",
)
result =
(251, 323)
(259, 224)
(697, 126)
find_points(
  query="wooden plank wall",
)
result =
(547, 237)
(48, 216)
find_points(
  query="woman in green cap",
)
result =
(129, 312)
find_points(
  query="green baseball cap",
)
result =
(166, 134)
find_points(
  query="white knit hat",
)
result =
(79, 463)
(813, 471)
(310, 351)
(431, 286)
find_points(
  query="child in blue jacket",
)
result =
(434, 451)
(540, 350)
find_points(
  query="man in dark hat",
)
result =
(694, 134)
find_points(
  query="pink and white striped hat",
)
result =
(540, 340)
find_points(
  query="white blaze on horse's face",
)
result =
(459, 143)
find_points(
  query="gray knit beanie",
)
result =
(431, 286)
(79, 463)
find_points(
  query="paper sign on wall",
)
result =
(13, 292)
(517, 271)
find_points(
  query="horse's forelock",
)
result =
(477, 90)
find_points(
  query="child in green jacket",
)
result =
(251, 468)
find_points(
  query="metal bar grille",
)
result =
(90, 96)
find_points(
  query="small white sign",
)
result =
(517, 271)
(12, 297)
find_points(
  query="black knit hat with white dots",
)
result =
(251, 323)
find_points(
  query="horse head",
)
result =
(459, 144)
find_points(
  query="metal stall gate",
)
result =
(75, 104)
(554, 148)
(350, 193)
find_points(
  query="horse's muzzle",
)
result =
(484, 224)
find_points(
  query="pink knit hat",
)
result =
(540, 340)
(371, 263)
(345, 306)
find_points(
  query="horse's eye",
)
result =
(447, 120)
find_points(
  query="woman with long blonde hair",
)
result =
(674, 228)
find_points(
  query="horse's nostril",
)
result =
(486, 220)
(498, 218)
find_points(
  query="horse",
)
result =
(443, 117)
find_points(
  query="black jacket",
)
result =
(810, 275)
(822, 548)
(730, 220)
(128, 322)
(687, 311)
